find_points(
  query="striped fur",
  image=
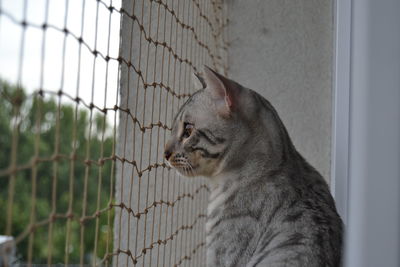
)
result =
(268, 206)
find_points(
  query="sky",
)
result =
(54, 78)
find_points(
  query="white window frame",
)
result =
(341, 105)
(366, 130)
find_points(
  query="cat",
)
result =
(267, 206)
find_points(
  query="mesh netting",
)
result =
(88, 93)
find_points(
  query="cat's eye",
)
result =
(187, 130)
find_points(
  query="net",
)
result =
(88, 93)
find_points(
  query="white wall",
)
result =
(283, 50)
(171, 232)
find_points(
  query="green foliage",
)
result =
(56, 139)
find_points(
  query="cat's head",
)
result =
(210, 128)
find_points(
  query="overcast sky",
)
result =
(11, 42)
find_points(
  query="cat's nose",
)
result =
(167, 154)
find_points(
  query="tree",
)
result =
(62, 145)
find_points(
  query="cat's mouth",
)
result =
(183, 167)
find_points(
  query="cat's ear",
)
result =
(198, 81)
(222, 89)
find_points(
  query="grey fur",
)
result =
(268, 206)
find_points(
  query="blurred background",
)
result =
(50, 79)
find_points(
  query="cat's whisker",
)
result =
(191, 169)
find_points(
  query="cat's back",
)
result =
(299, 222)
(276, 216)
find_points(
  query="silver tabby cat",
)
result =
(268, 206)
